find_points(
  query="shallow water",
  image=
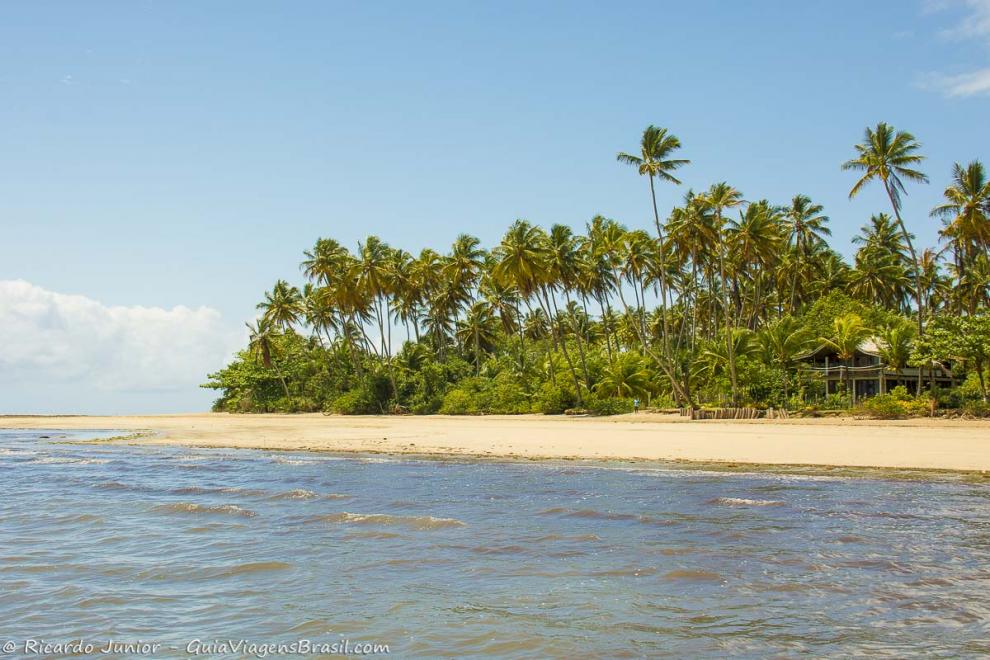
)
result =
(510, 559)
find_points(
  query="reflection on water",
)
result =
(501, 558)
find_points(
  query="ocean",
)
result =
(245, 552)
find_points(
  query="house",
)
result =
(866, 373)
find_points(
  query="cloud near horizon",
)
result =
(50, 337)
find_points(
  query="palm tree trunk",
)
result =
(917, 268)
(730, 349)
(554, 329)
(668, 355)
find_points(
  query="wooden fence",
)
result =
(732, 413)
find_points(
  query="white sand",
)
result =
(922, 443)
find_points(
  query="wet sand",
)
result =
(926, 444)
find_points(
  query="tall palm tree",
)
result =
(807, 226)
(479, 331)
(522, 263)
(261, 345)
(656, 146)
(283, 306)
(722, 196)
(966, 214)
(890, 156)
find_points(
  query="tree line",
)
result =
(714, 304)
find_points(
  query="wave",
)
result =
(693, 575)
(65, 460)
(113, 485)
(741, 501)
(204, 490)
(190, 507)
(303, 494)
(254, 567)
(592, 514)
(384, 519)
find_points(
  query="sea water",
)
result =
(175, 546)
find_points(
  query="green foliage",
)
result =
(355, 402)
(976, 408)
(896, 404)
(719, 313)
(608, 406)
(554, 399)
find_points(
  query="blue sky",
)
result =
(162, 154)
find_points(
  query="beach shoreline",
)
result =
(912, 444)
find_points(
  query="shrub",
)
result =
(608, 406)
(976, 408)
(458, 402)
(507, 398)
(896, 404)
(835, 401)
(551, 400)
(360, 401)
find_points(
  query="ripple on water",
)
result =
(742, 501)
(384, 519)
(216, 509)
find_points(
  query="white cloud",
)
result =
(963, 84)
(975, 24)
(57, 338)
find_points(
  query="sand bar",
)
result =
(920, 443)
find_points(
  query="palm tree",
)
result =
(806, 226)
(966, 214)
(261, 344)
(894, 345)
(479, 330)
(891, 156)
(283, 306)
(722, 196)
(783, 343)
(847, 334)
(628, 377)
(656, 147)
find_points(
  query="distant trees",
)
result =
(716, 304)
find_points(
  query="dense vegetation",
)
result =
(713, 305)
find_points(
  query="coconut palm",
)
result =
(261, 344)
(654, 161)
(894, 345)
(848, 333)
(628, 377)
(722, 196)
(783, 343)
(479, 331)
(806, 227)
(283, 306)
(966, 214)
(890, 156)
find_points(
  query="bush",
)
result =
(976, 408)
(836, 401)
(551, 400)
(360, 401)
(458, 402)
(609, 406)
(896, 404)
(507, 398)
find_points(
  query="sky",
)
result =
(163, 163)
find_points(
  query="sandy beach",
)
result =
(958, 445)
